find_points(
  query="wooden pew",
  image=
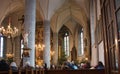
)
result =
(6, 72)
(75, 72)
(29, 71)
(83, 71)
(37, 71)
(64, 72)
(18, 72)
(42, 71)
(94, 71)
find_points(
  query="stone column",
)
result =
(94, 54)
(46, 55)
(29, 27)
(17, 50)
(55, 48)
(92, 22)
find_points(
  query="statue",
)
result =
(26, 50)
(25, 39)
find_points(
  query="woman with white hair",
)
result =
(27, 65)
(13, 66)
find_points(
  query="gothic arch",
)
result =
(66, 12)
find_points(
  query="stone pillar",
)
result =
(55, 48)
(46, 55)
(17, 53)
(29, 27)
(92, 22)
(94, 54)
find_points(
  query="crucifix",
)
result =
(21, 19)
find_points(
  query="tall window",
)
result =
(66, 44)
(22, 47)
(81, 46)
(1, 46)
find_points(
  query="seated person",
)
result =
(4, 66)
(100, 65)
(13, 66)
(87, 65)
(27, 65)
(45, 66)
(72, 65)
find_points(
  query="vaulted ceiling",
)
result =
(59, 12)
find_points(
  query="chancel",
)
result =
(60, 36)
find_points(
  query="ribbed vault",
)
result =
(67, 12)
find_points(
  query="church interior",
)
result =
(54, 31)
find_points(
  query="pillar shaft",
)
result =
(55, 48)
(46, 56)
(30, 15)
(17, 53)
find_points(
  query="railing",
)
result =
(39, 71)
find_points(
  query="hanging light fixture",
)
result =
(9, 31)
(39, 46)
(9, 55)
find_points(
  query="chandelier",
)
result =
(9, 31)
(39, 46)
(9, 55)
(52, 53)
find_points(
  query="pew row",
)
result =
(83, 71)
(39, 71)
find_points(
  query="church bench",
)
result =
(27, 71)
(94, 71)
(6, 72)
(39, 71)
(36, 71)
(82, 71)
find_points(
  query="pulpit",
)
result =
(26, 55)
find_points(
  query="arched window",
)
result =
(66, 44)
(1, 45)
(81, 44)
(64, 35)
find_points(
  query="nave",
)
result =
(52, 32)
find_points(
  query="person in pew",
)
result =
(28, 66)
(13, 66)
(65, 66)
(74, 66)
(87, 65)
(52, 66)
(45, 66)
(4, 66)
(100, 65)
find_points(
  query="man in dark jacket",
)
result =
(3, 65)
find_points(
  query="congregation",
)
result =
(4, 66)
